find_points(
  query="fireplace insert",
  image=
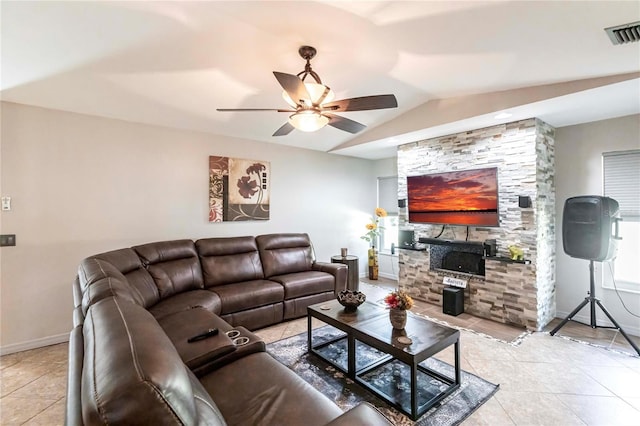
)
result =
(462, 261)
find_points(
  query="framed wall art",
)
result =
(238, 189)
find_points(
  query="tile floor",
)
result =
(544, 380)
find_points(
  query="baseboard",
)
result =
(34, 344)
(383, 275)
(388, 276)
(601, 320)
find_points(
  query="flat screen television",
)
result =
(467, 197)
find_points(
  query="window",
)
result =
(389, 234)
(621, 173)
(388, 200)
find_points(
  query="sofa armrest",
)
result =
(180, 326)
(255, 344)
(73, 411)
(363, 414)
(338, 270)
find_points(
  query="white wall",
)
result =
(386, 167)
(81, 185)
(579, 172)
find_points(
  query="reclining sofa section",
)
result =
(135, 308)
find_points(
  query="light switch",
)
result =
(6, 203)
(7, 240)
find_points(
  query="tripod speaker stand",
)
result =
(593, 301)
(587, 226)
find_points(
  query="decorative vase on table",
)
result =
(398, 318)
(373, 263)
(398, 302)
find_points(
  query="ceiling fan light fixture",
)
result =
(308, 121)
(313, 105)
(315, 92)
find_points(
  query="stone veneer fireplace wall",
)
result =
(512, 293)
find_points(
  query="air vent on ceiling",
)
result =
(622, 34)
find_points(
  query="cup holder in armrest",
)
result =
(232, 334)
(244, 342)
(241, 341)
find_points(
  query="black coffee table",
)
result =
(369, 325)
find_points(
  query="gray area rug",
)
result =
(292, 352)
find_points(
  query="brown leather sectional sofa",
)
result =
(130, 361)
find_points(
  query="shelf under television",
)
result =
(507, 260)
(442, 242)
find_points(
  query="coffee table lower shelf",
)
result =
(396, 394)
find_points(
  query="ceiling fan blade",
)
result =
(284, 130)
(362, 104)
(294, 87)
(254, 109)
(343, 123)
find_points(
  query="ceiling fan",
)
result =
(312, 104)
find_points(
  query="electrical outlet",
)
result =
(7, 240)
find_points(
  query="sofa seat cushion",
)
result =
(301, 284)
(187, 300)
(271, 394)
(248, 294)
(207, 412)
(363, 414)
(257, 318)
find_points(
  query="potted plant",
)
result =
(373, 232)
(398, 303)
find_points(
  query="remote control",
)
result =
(208, 333)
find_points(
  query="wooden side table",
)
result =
(353, 279)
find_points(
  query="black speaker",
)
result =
(590, 227)
(453, 300)
(489, 248)
(524, 201)
(405, 238)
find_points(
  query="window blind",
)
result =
(621, 171)
(388, 193)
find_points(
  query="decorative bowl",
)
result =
(351, 299)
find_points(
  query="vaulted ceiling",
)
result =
(453, 66)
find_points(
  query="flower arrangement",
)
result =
(373, 229)
(398, 300)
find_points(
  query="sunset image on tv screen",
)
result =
(468, 197)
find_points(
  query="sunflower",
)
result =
(373, 229)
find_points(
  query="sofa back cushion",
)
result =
(173, 265)
(105, 288)
(98, 279)
(229, 260)
(92, 270)
(285, 253)
(132, 373)
(129, 264)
